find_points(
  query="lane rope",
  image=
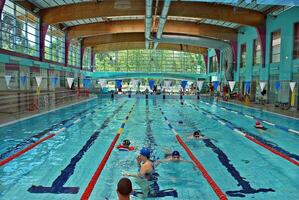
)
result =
(204, 172)
(19, 153)
(88, 190)
(251, 138)
(286, 129)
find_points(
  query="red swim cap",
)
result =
(257, 123)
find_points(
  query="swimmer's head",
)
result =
(126, 143)
(124, 187)
(145, 152)
(180, 121)
(175, 155)
(196, 133)
(257, 123)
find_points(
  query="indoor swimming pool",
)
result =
(58, 155)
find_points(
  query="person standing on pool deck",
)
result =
(124, 189)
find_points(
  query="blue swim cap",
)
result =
(175, 153)
(145, 152)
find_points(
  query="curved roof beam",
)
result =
(195, 41)
(140, 45)
(107, 8)
(137, 26)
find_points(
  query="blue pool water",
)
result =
(61, 167)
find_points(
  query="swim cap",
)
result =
(257, 123)
(180, 122)
(126, 142)
(145, 152)
(175, 153)
(196, 133)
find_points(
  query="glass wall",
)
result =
(150, 61)
(19, 30)
(74, 53)
(87, 58)
(55, 45)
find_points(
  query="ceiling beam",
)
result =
(141, 45)
(108, 8)
(137, 26)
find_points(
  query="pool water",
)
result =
(61, 167)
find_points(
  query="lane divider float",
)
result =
(255, 118)
(88, 190)
(251, 138)
(19, 153)
(204, 172)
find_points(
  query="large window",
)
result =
(213, 64)
(275, 47)
(243, 56)
(148, 60)
(74, 53)
(296, 41)
(19, 30)
(257, 53)
(55, 45)
(87, 58)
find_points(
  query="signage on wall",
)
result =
(199, 85)
(231, 85)
(70, 81)
(262, 85)
(292, 86)
(38, 80)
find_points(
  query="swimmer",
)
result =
(180, 122)
(258, 125)
(125, 146)
(196, 135)
(173, 157)
(145, 164)
(124, 189)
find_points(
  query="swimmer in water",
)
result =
(258, 125)
(196, 135)
(125, 146)
(173, 157)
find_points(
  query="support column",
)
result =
(92, 59)
(66, 53)
(82, 50)
(43, 33)
(234, 47)
(205, 57)
(261, 32)
(2, 2)
(217, 51)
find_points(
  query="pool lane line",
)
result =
(204, 172)
(32, 139)
(245, 185)
(57, 186)
(19, 153)
(88, 190)
(252, 137)
(253, 117)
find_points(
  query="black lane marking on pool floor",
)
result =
(150, 142)
(32, 139)
(225, 161)
(67, 172)
(258, 138)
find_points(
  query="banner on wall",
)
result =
(118, 84)
(86, 83)
(7, 79)
(262, 85)
(247, 87)
(232, 85)
(54, 80)
(38, 80)
(70, 81)
(167, 84)
(199, 85)
(215, 84)
(151, 84)
(23, 79)
(292, 86)
(277, 85)
(184, 84)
